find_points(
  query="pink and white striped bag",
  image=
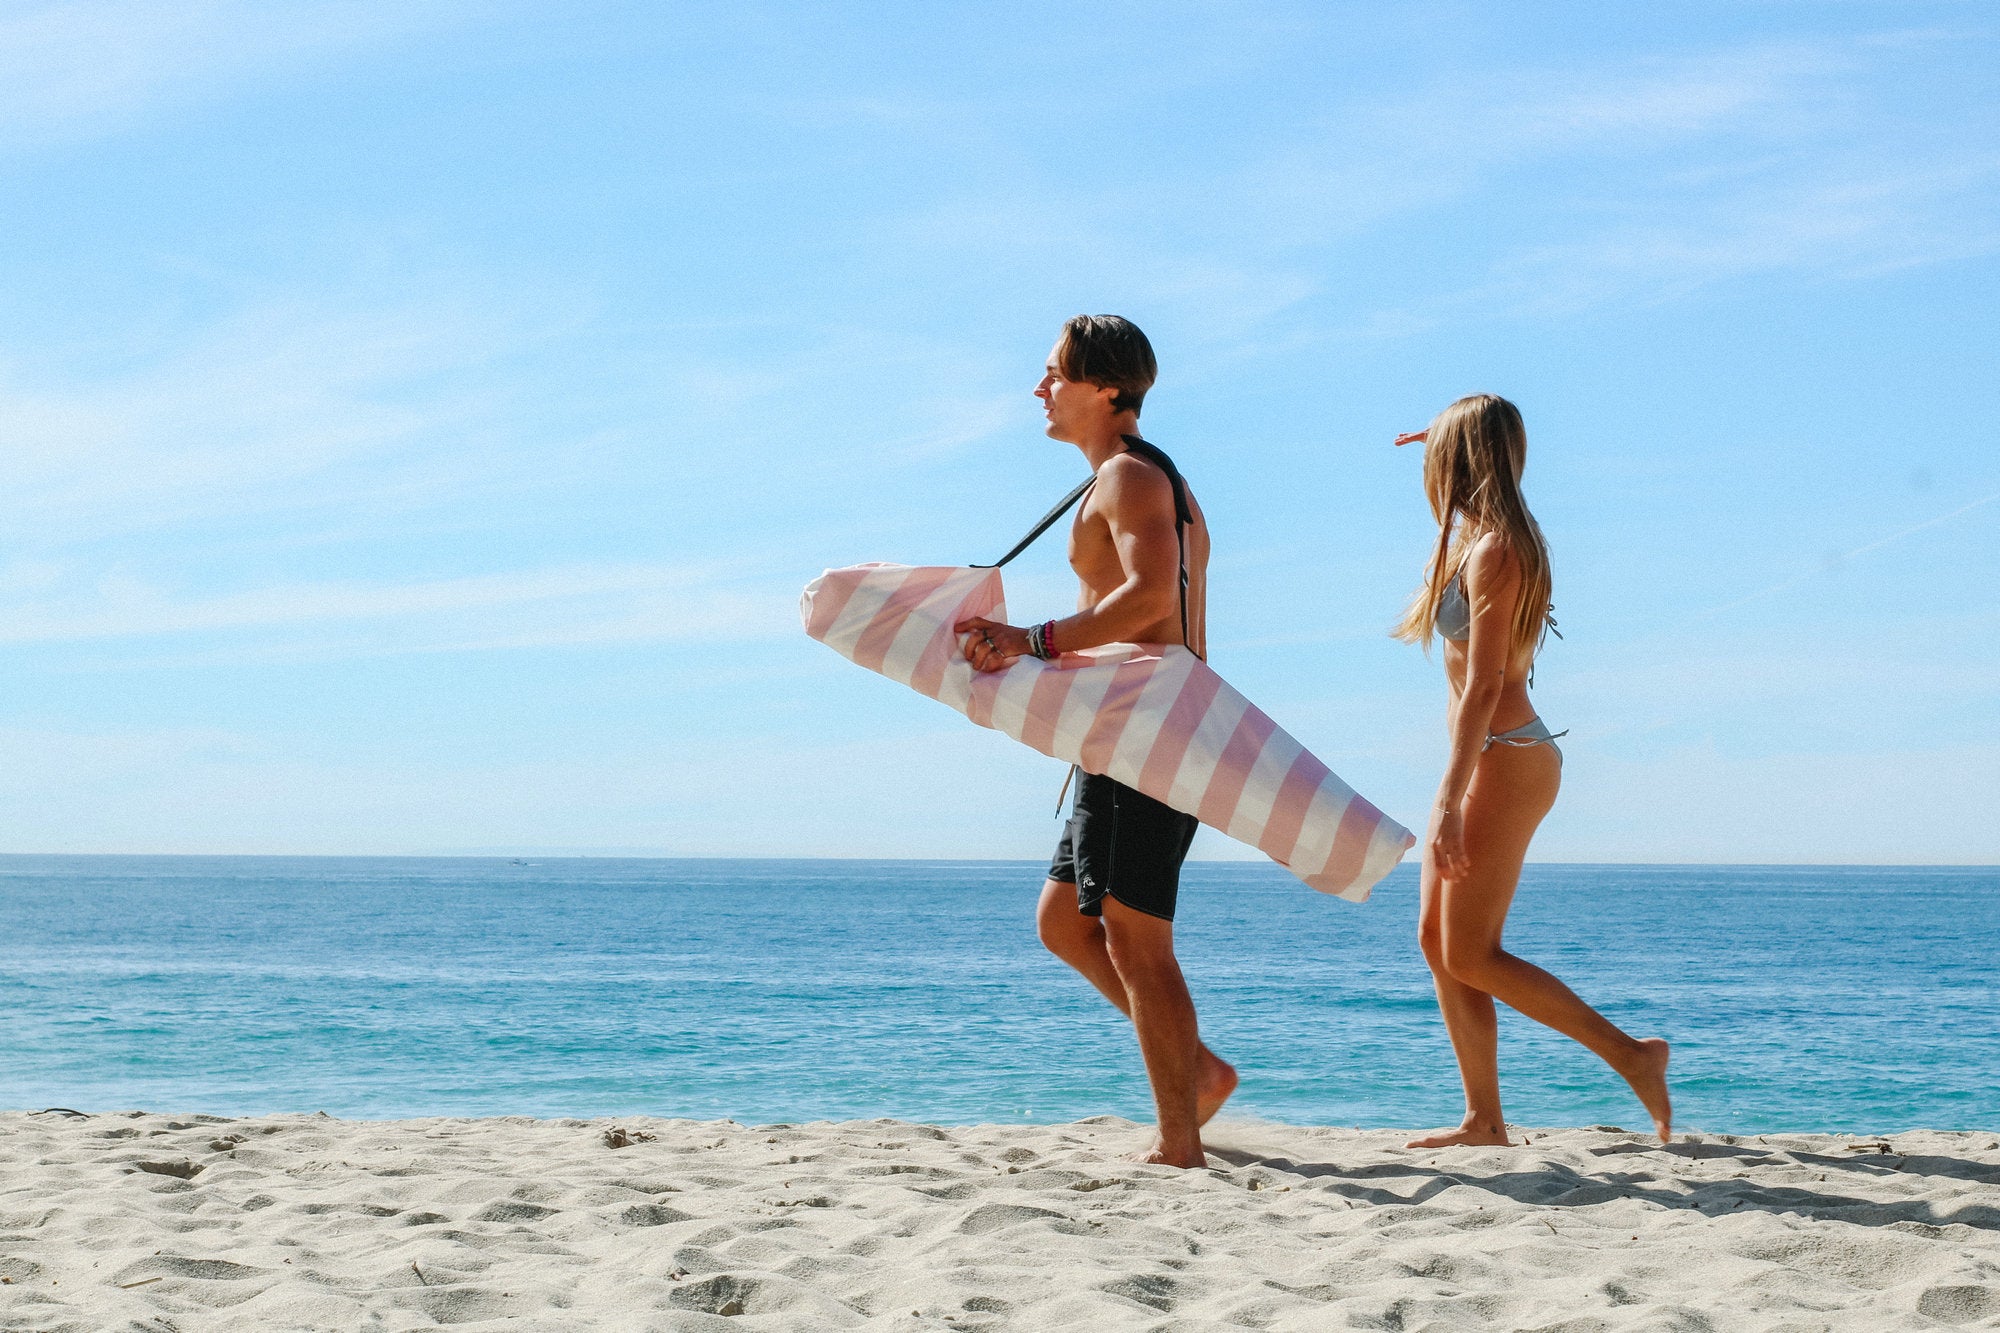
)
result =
(1154, 717)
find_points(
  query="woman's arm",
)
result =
(1492, 584)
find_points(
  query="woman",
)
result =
(1487, 596)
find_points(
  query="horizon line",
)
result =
(574, 854)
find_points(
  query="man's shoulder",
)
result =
(1133, 489)
(1135, 473)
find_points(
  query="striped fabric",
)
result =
(1154, 717)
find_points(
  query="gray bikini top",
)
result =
(1454, 616)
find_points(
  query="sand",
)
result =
(150, 1222)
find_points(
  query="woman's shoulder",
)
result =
(1492, 561)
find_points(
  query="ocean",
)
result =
(1860, 999)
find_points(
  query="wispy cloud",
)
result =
(1849, 220)
(1841, 557)
(1400, 151)
(959, 420)
(1655, 177)
(79, 68)
(545, 607)
(283, 405)
(1621, 179)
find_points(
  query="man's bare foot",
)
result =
(1647, 1073)
(1467, 1135)
(1216, 1083)
(1157, 1155)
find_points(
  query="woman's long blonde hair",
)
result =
(1473, 456)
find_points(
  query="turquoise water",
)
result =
(1858, 999)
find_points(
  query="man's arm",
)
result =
(1137, 502)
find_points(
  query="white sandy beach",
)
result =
(150, 1222)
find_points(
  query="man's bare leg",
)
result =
(1079, 941)
(1141, 949)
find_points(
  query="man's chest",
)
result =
(1092, 552)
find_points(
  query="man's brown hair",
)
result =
(1110, 352)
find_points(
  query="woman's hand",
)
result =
(990, 645)
(1413, 437)
(1445, 844)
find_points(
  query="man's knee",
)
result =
(1063, 929)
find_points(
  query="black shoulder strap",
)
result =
(1157, 456)
(1183, 515)
(1048, 520)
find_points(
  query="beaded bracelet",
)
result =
(1041, 640)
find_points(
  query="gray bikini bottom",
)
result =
(1532, 732)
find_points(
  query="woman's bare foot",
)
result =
(1467, 1135)
(1647, 1073)
(1217, 1082)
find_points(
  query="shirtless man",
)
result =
(1107, 908)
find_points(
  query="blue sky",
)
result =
(418, 418)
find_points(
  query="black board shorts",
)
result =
(1122, 842)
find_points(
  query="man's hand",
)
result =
(990, 645)
(1413, 437)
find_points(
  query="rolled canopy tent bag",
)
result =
(1154, 717)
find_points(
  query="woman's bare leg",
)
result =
(1512, 790)
(1474, 1029)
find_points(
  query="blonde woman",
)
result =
(1486, 595)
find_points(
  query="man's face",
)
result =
(1074, 408)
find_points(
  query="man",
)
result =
(1140, 552)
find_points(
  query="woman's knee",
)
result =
(1430, 939)
(1471, 963)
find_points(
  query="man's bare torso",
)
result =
(1094, 557)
